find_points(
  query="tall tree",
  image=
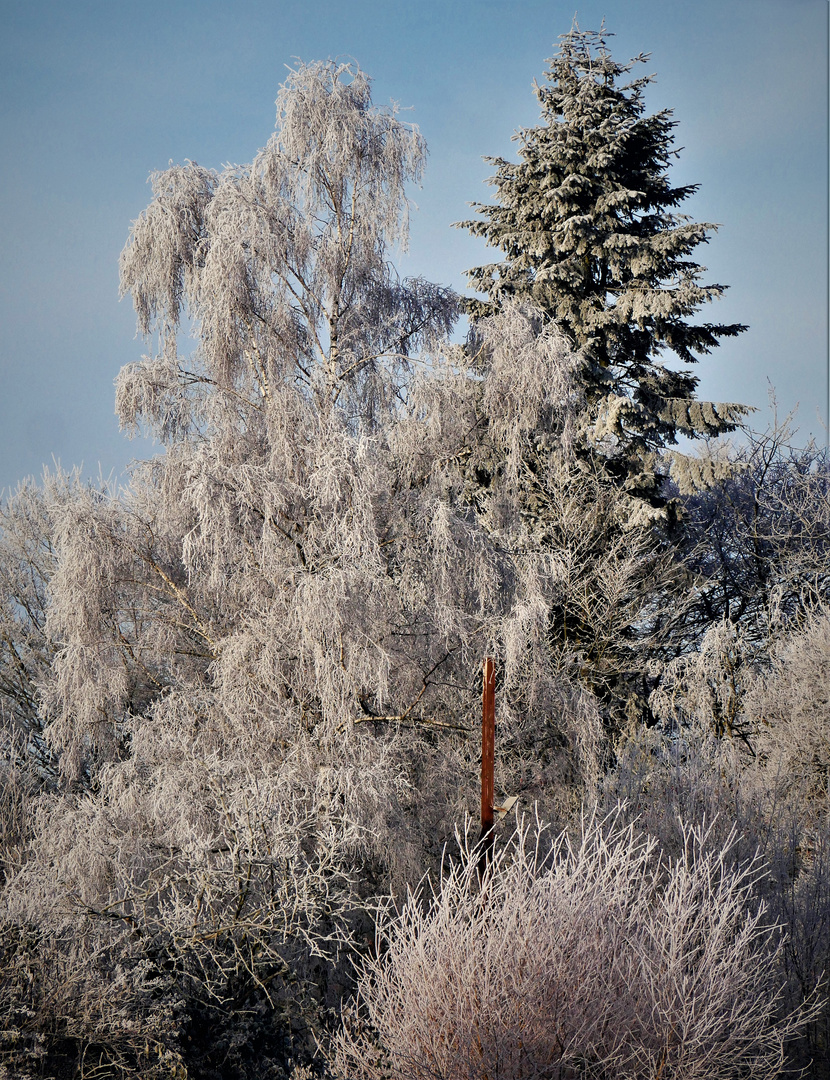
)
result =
(587, 222)
(206, 642)
(282, 265)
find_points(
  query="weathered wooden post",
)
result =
(488, 749)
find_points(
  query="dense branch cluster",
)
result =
(577, 955)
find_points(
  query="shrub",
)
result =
(588, 957)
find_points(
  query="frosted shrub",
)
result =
(586, 957)
(85, 1002)
(790, 706)
(191, 903)
(768, 781)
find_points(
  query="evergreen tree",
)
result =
(586, 219)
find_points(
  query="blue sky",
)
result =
(95, 95)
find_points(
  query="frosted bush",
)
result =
(586, 957)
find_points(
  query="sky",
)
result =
(96, 95)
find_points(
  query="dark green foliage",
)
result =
(588, 225)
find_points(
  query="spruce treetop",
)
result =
(588, 225)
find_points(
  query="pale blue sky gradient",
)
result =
(95, 95)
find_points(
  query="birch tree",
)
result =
(282, 265)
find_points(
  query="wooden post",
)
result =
(488, 742)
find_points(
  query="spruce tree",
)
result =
(588, 225)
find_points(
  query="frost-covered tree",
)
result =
(27, 560)
(588, 225)
(622, 597)
(283, 264)
(214, 635)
